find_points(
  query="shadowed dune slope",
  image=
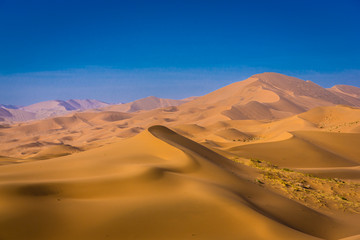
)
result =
(349, 93)
(8, 114)
(156, 185)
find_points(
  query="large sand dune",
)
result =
(269, 96)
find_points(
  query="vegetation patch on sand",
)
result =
(312, 191)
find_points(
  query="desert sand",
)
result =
(270, 157)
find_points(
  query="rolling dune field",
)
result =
(271, 157)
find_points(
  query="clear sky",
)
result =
(118, 51)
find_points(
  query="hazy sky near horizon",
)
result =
(118, 51)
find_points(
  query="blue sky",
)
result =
(118, 51)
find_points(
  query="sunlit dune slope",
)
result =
(334, 119)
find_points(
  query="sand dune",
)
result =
(98, 128)
(302, 151)
(349, 93)
(147, 103)
(179, 191)
(268, 96)
(347, 173)
(271, 157)
(357, 237)
(340, 118)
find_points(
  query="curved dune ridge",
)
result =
(156, 185)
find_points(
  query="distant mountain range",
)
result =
(47, 109)
(53, 108)
(10, 106)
